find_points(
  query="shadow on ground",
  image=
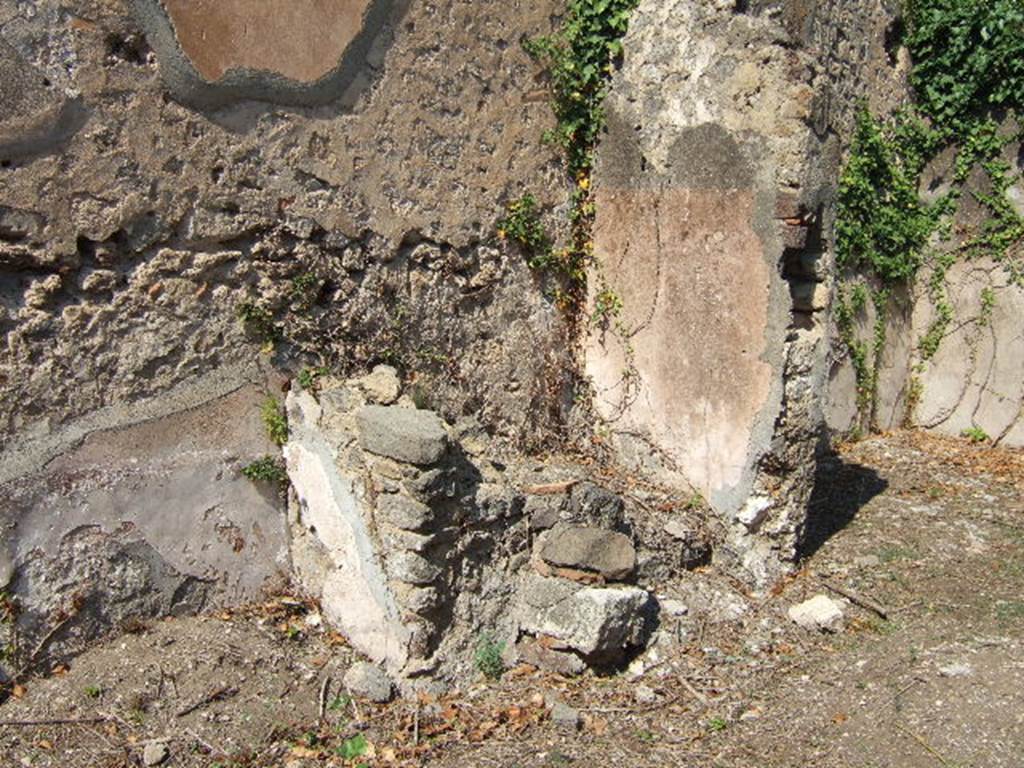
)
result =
(841, 489)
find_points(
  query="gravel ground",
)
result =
(919, 539)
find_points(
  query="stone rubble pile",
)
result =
(417, 543)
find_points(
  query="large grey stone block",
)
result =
(595, 621)
(608, 553)
(403, 434)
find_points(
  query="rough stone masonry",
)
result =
(206, 206)
(714, 196)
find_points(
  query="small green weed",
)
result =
(976, 435)
(607, 306)
(988, 306)
(266, 470)
(8, 608)
(696, 501)
(488, 659)
(716, 724)
(884, 628)
(305, 287)
(308, 377)
(258, 323)
(93, 691)
(352, 748)
(647, 737)
(274, 420)
(1010, 610)
(896, 553)
(522, 225)
(340, 703)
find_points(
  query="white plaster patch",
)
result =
(355, 595)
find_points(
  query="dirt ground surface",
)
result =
(925, 536)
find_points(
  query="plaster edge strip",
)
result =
(184, 80)
(30, 455)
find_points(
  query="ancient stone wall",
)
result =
(197, 196)
(715, 198)
(421, 539)
(974, 381)
(130, 245)
(209, 209)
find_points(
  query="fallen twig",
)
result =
(549, 489)
(697, 694)
(907, 687)
(355, 706)
(213, 750)
(931, 750)
(323, 696)
(225, 692)
(54, 721)
(856, 599)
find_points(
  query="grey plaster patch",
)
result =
(147, 519)
(34, 449)
(35, 116)
(346, 79)
(707, 156)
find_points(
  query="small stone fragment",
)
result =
(382, 385)
(368, 682)
(645, 695)
(412, 568)
(957, 669)
(564, 716)
(403, 512)
(673, 607)
(595, 621)
(754, 512)
(544, 511)
(677, 529)
(565, 663)
(594, 504)
(820, 612)
(155, 753)
(431, 485)
(592, 549)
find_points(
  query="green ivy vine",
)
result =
(579, 59)
(967, 73)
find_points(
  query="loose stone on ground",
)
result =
(820, 612)
(367, 681)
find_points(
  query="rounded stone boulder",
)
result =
(367, 681)
(608, 553)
